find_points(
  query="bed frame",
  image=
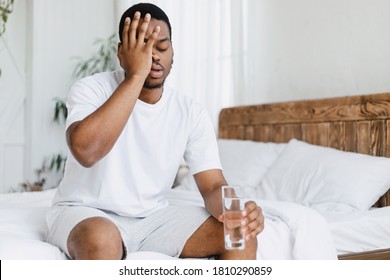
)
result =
(355, 123)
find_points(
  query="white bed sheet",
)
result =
(23, 228)
(291, 231)
(360, 231)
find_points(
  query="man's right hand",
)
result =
(135, 50)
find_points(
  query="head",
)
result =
(162, 53)
(145, 8)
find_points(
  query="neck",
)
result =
(151, 96)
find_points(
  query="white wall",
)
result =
(295, 49)
(44, 36)
(317, 48)
(61, 30)
(12, 97)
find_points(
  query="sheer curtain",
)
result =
(209, 42)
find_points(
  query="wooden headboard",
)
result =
(355, 123)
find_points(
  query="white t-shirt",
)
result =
(133, 177)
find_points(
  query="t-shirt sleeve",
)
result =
(83, 99)
(201, 152)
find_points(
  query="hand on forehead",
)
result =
(164, 31)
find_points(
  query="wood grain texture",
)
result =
(355, 123)
(383, 254)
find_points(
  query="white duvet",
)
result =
(291, 231)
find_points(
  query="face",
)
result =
(162, 55)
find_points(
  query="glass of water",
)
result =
(233, 205)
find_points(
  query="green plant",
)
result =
(60, 110)
(57, 162)
(6, 8)
(36, 185)
(102, 60)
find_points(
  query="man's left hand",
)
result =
(253, 219)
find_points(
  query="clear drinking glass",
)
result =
(233, 205)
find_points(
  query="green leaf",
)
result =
(60, 110)
(6, 7)
(100, 61)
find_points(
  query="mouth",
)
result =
(156, 71)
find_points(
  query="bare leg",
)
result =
(95, 238)
(208, 241)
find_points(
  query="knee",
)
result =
(95, 238)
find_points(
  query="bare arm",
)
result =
(92, 138)
(209, 183)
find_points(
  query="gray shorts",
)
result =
(165, 231)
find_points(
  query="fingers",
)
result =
(221, 218)
(254, 219)
(125, 32)
(141, 40)
(134, 34)
(153, 37)
(142, 30)
(130, 30)
(133, 29)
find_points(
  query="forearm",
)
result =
(93, 137)
(213, 202)
(210, 183)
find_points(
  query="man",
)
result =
(127, 134)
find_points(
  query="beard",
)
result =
(153, 86)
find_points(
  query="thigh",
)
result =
(165, 231)
(207, 240)
(63, 219)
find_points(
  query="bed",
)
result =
(356, 124)
(323, 136)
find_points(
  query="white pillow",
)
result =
(326, 178)
(244, 162)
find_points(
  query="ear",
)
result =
(117, 54)
(173, 55)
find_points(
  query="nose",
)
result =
(155, 55)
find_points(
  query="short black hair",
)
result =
(144, 8)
